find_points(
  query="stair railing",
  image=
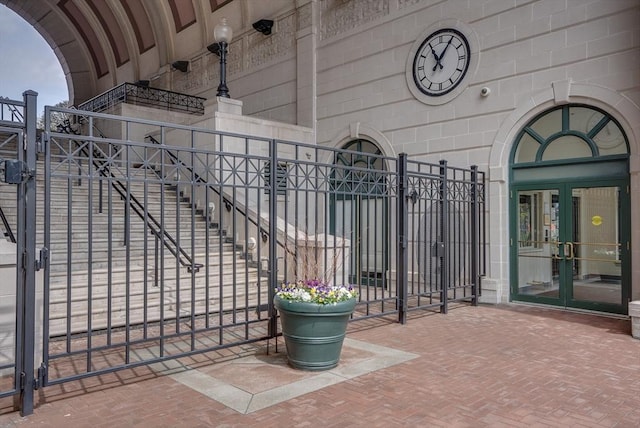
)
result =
(16, 115)
(7, 227)
(228, 202)
(99, 160)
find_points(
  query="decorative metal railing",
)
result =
(143, 95)
(11, 112)
(409, 235)
(11, 116)
(102, 166)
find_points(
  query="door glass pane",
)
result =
(538, 232)
(596, 266)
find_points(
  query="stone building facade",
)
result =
(542, 95)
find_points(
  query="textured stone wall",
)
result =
(341, 67)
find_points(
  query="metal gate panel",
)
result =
(11, 300)
(18, 152)
(148, 245)
(444, 223)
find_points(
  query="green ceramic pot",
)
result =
(313, 333)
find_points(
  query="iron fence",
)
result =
(161, 240)
(144, 95)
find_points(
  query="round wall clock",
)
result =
(441, 62)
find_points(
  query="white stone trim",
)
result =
(361, 130)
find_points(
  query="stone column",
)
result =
(306, 39)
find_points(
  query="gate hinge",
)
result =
(22, 378)
(41, 263)
(41, 375)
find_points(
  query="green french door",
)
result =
(570, 244)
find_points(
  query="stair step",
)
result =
(74, 201)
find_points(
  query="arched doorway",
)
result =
(570, 211)
(359, 210)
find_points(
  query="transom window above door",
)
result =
(570, 132)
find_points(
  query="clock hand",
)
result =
(435, 55)
(442, 54)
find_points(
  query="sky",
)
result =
(28, 62)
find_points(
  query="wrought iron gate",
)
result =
(18, 326)
(161, 241)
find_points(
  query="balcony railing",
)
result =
(143, 95)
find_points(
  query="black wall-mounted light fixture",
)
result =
(214, 48)
(180, 65)
(263, 26)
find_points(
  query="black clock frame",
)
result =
(417, 81)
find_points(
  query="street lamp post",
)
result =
(222, 33)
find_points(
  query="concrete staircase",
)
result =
(103, 276)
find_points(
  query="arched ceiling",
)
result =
(102, 43)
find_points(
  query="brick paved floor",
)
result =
(486, 366)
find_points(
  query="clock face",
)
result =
(441, 62)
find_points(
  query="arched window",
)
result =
(570, 132)
(355, 169)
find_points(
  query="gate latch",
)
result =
(15, 171)
(41, 263)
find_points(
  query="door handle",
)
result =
(556, 256)
(570, 255)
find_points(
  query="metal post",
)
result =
(403, 231)
(475, 278)
(273, 237)
(223, 91)
(28, 198)
(443, 245)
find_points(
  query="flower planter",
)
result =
(313, 333)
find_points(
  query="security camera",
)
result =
(485, 91)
